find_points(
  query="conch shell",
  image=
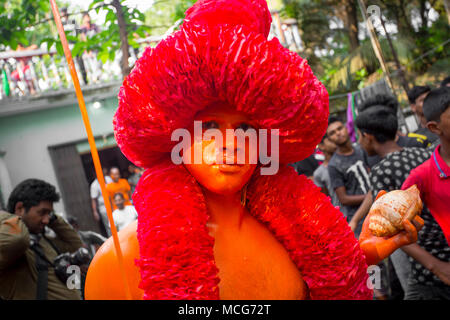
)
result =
(388, 211)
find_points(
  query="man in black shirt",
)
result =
(391, 103)
(348, 170)
(377, 129)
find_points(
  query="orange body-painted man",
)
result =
(212, 230)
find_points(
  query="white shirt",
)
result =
(124, 217)
(96, 191)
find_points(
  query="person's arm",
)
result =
(349, 200)
(379, 183)
(338, 184)
(414, 178)
(94, 195)
(440, 268)
(95, 210)
(67, 239)
(14, 240)
(378, 248)
(318, 181)
(362, 211)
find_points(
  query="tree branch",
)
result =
(72, 14)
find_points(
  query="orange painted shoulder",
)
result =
(103, 281)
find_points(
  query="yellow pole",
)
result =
(95, 157)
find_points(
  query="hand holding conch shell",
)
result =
(390, 209)
(408, 204)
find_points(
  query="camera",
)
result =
(64, 260)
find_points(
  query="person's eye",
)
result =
(210, 125)
(244, 126)
(44, 212)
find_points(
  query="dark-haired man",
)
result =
(416, 97)
(348, 170)
(26, 254)
(123, 215)
(377, 129)
(430, 278)
(118, 185)
(390, 102)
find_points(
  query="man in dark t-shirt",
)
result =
(390, 102)
(348, 170)
(402, 141)
(376, 129)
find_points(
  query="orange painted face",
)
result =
(240, 151)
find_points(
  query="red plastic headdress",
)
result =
(221, 53)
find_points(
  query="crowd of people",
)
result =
(383, 158)
(119, 193)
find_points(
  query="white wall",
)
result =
(26, 138)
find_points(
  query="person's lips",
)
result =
(229, 168)
(229, 164)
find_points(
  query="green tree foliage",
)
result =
(19, 22)
(164, 13)
(336, 40)
(31, 21)
(328, 29)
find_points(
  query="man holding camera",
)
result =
(28, 258)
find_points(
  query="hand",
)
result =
(442, 271)
(409, 234)
(379, 248)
